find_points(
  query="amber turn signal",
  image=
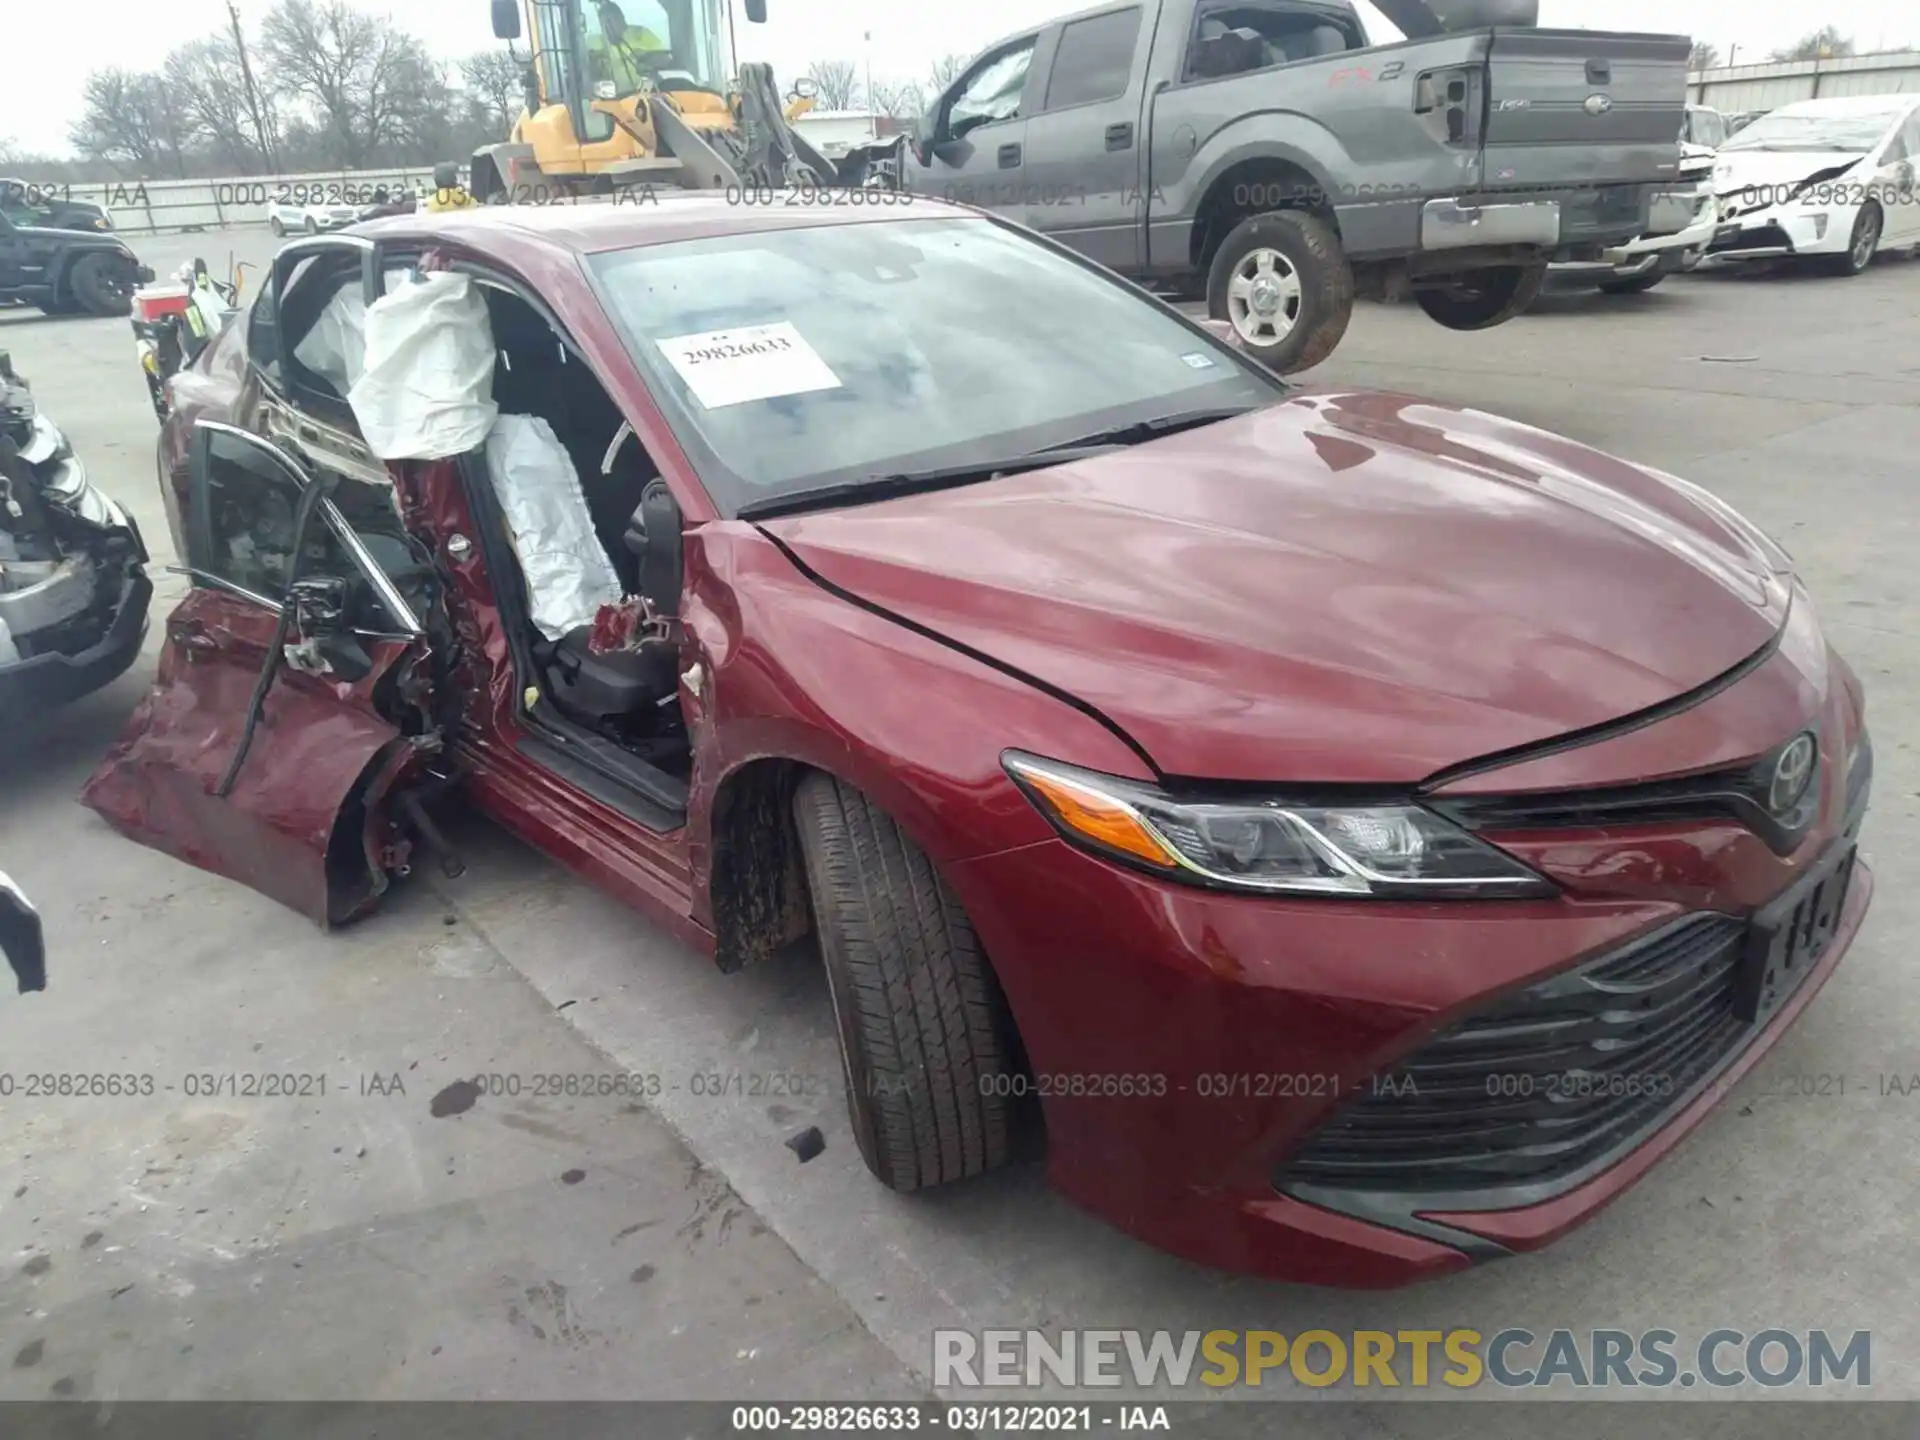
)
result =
(1093, 816)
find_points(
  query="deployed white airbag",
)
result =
(335, 348)
(568, 574)
(427, 388)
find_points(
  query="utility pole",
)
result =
(261, 131)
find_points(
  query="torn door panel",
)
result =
(306, 820)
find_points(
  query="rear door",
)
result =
(1574, 107)
(305, 820)
(1084, 143)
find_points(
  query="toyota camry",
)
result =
(1358, 836)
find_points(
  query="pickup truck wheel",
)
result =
(102, 284)
(1283, 282)
(925, 1037)
(1487, 298)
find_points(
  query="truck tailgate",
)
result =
(1584, 107)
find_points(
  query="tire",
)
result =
(1862, 241)
(1639, 284)
(279, 230)
(1292, 261)
(101, 285)
(924, 1032)
(64, 305)
(312, 226)
(1488, 298)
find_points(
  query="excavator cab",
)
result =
(630, 93)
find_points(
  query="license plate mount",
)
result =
(1787, 938)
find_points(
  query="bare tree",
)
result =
(838, 83)
(1704, 56)
(944, 72)
(134, 121)
(209, 84)
(902, 101)
(1826, 43)
(369, 84)
(497, 82)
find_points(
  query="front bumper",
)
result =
(43, 681)
(1188, 1045)
(1780, 232)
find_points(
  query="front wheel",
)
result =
(1283, 282)
(1485, 298)
(925, 1038)
(102, 284)
(1861, 244)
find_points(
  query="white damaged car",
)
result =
(1826, 180)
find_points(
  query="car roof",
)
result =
(1850, 105)
(647, 217)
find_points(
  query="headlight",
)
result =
(1278, 847)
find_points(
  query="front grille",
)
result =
(1547, 1081)
(1741, 794)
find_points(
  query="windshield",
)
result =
(790, 359)
(1854, 134)
(674, 43)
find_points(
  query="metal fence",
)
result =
(1767, 87)
(151, 207)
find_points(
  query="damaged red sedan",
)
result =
(1366, 835)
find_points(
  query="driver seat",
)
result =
(618, 687)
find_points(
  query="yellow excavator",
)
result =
(622, 94)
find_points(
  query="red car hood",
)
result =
(1342, 587)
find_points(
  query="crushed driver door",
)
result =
(289, 794)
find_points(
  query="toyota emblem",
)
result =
(1792, 774)
(1599, 104)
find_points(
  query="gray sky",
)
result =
(61, 40)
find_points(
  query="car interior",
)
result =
(609, 715)
(628, 696)
(1237, 39)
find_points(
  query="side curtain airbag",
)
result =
(426, 392)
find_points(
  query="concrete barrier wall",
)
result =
(1767, 87)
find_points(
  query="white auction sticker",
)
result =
(755, 362)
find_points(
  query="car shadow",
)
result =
(49, 752)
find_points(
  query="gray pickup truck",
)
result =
(1265, 154)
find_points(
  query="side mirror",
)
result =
(319, 605)
(925, 136)
(21, 938)
(654, 537)
(757, 12)
(506, 19)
